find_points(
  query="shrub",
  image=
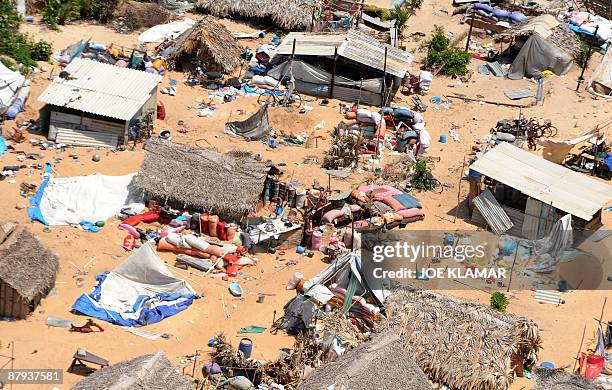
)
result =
(9, 18)
(422, 176)
(453, 62)
(499, 301)
(41, 51)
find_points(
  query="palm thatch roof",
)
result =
(379, 364)
(559, 379)
(461, 344)
(204, 179)
(208, 42)
(147, 372)
(288, 14)
(26, 264)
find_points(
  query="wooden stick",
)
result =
(459, 190)
(602, 310)
(183, 275)
(489, 101)
(89, 262)
(579, 349)
(214, 266)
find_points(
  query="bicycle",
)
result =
(292, 100)
(547, 130)
(435, 185)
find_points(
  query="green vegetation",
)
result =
(451, 61)
(421, 179)
(499, 301)
(17, 45)
(59, 12)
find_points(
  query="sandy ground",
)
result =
(37, 345)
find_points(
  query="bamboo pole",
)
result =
(459, 190)
(579, 349)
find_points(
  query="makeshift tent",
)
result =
(151, 372)
(255, 127)
(538, 55)
(140, 291)
(314, 81)
(600, 83)
(72, 200)
(10, 83)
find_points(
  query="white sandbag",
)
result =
(259, 80)
(376, 117)
(196, 242)
(425, 79)
(271, 81)
(418, 118)
(418, 127)
(505, 136)
(424, 142)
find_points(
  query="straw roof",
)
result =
(208, 42)
(559, 379)
(25, 263)
(147, 372)
(380, 364)
(288, 14)
(205, 179)
(462, 344)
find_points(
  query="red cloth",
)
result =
(150, 216)
(133, 220)
(161, 111)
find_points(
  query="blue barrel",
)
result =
(474, 174)
(443, 138)
(246, 347)
(562, 285)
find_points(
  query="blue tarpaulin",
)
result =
(3, 148)
(140, 291)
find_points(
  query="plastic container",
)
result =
(443, 138)
(293, 282)
(317, 240)
(246, 347)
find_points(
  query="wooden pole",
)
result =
(469, 37)
(293, 48)
(382, 92)
(603, 308)
(586, 60)
(12, 359)
(333, 76)
(579, 349)
(459, 190)
(518, 246)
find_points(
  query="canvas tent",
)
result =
(600, 83)
(72, 200)
(538, 55)
(10, 83)
(140, 291)
(152, 372)
(256, 127)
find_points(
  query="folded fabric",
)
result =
(411, 213)
(393, 203)
(408, 201)
(359, 196)
(334, 214)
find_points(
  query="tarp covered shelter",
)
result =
(538, 55)
(315, 81)
(10, 83)
(140, 291)
(601, 80)
(256, 127)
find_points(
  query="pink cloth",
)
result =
(390, 201)
(411, 213)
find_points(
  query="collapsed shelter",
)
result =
(348, 66)
(92, 104)
(27, 271)
(204, 179)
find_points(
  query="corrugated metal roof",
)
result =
(353, 45)
(493, 213)
(545, 181)
(101, 89)
(387, 24)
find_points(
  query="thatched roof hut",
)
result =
(204, 179)
(151, 372)
(559, 379)
(461, 344)
(27, 270)
(288, 14)
(379, 364)
(208, 42)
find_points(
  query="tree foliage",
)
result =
(499, 301)
(451, 61)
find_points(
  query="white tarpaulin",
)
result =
(10, 82)
(601, 80)
(140, 291)
(161, 32)
(72, 200)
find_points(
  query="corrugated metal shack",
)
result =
(347, 65)
(92, 104)
(533, 192)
